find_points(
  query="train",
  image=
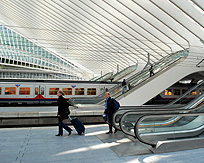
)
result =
(39, 92)
(174, 92)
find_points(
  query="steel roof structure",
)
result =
(100, 35)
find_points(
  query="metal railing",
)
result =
(192, 128)
(130, 117)
(140, 77)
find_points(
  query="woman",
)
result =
(63, 111)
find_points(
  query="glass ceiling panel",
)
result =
(100, 35)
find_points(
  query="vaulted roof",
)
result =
(100, 35)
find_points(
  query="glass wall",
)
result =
(18, 50)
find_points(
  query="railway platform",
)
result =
(47, 115)
(22, 141)
(39, 144)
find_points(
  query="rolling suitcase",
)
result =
(78, 125)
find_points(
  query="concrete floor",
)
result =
(39, 144)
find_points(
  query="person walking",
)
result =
(111, 78)
(151, 70)
(109, 110)
(63, 112)
(123, 86)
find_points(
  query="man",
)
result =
(123, 86)
(151, 71)
(109, 110)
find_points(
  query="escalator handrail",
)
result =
(197, 100)
(179, 55)
(160, 110)
(137, 124)
(126, 71)
(145, 74)
(186, 93)
(135, 80)
(147, 112)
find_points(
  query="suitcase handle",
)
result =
(69, 117)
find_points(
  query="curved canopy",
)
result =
(100, 35)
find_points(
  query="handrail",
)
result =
(186, 93)
(194, 106)
(142, 76)
(137, 125)
(199, 63)
(104, 77)
(148, 113)
(146, 109)
(124, 72)
(95, 78)
(117, 115)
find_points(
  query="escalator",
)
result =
(173, 106)
(150, 129)
(129, 118)
(137, 79)
(103, 78)
(164, 126)
(122, 74)
(141, 77)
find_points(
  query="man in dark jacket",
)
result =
(123, 86)
(63, 111)
(109, 110)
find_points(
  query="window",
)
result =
(168, 92)
(67, 91)
(91, 91)
(53, 91)
(42, 89)
(194, 92)
(177, 92)
(10, 91)
(36, 90)
(79, 91)
(184, 91)
(24, 91)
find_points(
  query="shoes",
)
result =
(69, 133)
(109, 132)
(58, 135)
(115, 130)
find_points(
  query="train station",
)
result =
(102, 81)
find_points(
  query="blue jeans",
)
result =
(61, 126)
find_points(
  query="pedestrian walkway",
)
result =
(39, 144)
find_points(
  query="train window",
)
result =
(24, 91)
(194, 92)
(0, 90)
(36, 90)
(79, 91)
(91, 91)
(201, 91)
(53, 91)
(168, 92)
(10, 90)
(67, 91)
(177, 92)
(42, 91)
(184, 91)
